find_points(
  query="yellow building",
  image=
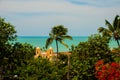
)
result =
(49, 54)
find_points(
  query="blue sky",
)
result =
(37, 17)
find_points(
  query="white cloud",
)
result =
(47, 6)
(34, 6)
(101, 3)
(36, 16)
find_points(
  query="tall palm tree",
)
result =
(58, 33)
(113, 30)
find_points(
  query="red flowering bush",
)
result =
(108, 71)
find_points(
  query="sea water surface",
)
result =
(40, 41)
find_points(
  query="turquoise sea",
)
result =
(39, 41)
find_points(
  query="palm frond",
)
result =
(48, 42)
(66, 37)
(111, 28)
(118, 24)
(101, 29)
(104, 31)
(61, 41)
(115, 22)
(59, 30)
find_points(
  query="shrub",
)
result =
(116, 54)
(107, 71)
(85, 55)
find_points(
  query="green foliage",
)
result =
(19, 56)
(20, 49)
(7, 31)
(85, 55)
(62, 66)
(42, 69)
(38, 69)
(59, 30)
(116, 54)
(15, 55)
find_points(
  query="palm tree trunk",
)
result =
(118, 43)
(68, 75)
(57, 47)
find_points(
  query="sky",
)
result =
(37, 17)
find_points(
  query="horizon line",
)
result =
(43, 36)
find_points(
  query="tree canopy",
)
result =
(7, 31)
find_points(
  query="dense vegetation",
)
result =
(17, 59)
(86, 54)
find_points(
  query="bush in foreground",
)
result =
(107, 71)
(86, 54)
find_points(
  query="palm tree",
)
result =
(58, 33)
(113, 30)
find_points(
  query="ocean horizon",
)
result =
(39, 41)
